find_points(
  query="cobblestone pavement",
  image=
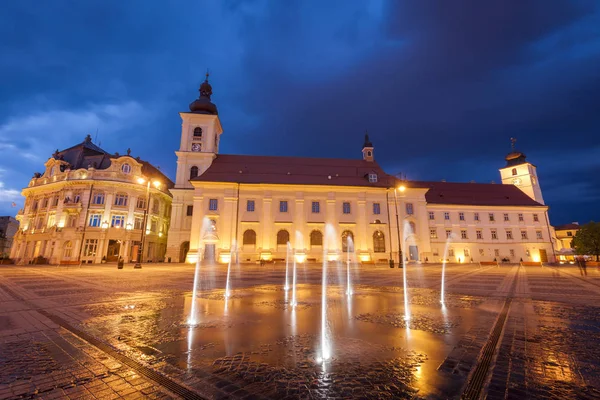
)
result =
(256, 346)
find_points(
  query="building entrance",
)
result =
(543, 256)
(413, 252)
(114, 249)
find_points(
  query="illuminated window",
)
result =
(95, 220)
(347, 239)
(121, 200)
(117, 221)
(90, 247)
(140, 203)
(433, 233)
(378, 242)
(316, 238)
(249, 237)
(283, 237)
(138, 223)
(250, 205)
(68, 249)
(98, 198)
(213, 204)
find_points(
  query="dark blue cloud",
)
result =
(440, 86)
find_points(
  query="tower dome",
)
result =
(514, 157)
(203, 105)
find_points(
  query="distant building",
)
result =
(564, 240)
(319, 204)
(8, 228)
(89, 206)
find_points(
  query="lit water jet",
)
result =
(348, 278)
(294, 274)
(407, 231)
(443, 283)
(325, 343)
(288, 250)
(192, 318)
(228, 282)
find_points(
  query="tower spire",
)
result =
(367, 148)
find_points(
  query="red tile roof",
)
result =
(474, 194)
(294, 170)
(567, 227)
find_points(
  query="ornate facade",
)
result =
(89, 206)
(257, 204)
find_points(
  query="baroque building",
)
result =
(90, 206)
(255, 205)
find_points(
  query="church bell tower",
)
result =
(200, 133)
(521, 173)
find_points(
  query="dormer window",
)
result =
(52, 171)
(372, 178)
(126, 168)
(198, 132)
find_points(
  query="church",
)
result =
(252, 206)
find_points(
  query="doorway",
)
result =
(209, 253)
(543, 256)
(114, 249)
(413, 252)
(183, 250)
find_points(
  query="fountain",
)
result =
(325, 344)
(288, 250)
(407, 231)
(294, 302)
(348, 278)
(443, 284)
(192, 320)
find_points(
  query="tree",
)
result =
(587, 240)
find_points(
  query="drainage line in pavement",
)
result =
(167, 383)
(476, 384)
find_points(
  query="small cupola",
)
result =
(203, 105)
(368, 149)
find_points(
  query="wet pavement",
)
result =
(96, 332)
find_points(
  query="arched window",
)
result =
(249, 237)
(412, 228)
(283, 237)
(316, 238)
(347, 241)
(68, 249)
(514, 171)
(126, 168)
(198, 132)
(378, 242)
(193, 172)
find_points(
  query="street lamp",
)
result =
(156, 184)
(400, 188)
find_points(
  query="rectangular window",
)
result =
(494, 234)
(372, 178)
(538, 234)
(476, 216)
(512, 252)
(479, 234)
(450, 252)
(45, 203)
(283, 206)
(140, 203)
(213, 204)
(190, 211)
(346, 208)
(463, 234)
(461, 216)
(315, 207)
(433, 233)
(117, 221)
(467, 254)
(431, 215)
(153, 225)
(90, 247)
(569, 233)
(250, 205)
(77, 198)
(497, 252)
(120, 200)
(509, 235)
(520, 217)
(506, 217)
(536, 218)
(51, 220)
(409, 208)
(492, 219)
(138, 222)
(72, 221)
(55, 201)
(523, 234)
(155, 206)
(95, 220)
(376, 208)
(448, 233)
(481, 252)
(447, 216)
(98, 198)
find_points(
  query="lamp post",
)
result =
(156, 184)
(401, 188)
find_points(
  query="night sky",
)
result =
(441, 86)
